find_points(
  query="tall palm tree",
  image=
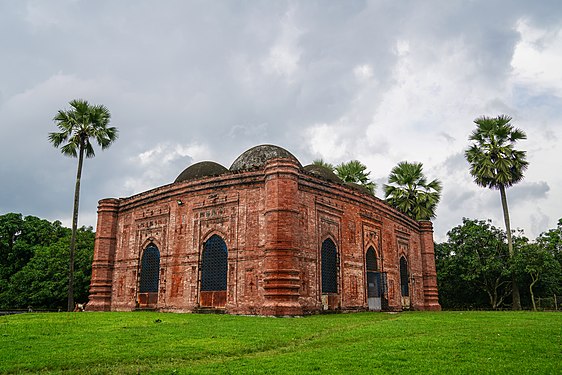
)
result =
(409, 192)
(354, 171)
(496, 164)
(78, 126)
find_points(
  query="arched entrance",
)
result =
(214, 272)
(149, 277)
(376, 282)
(404, 283)
(329, 268)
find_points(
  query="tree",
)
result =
(409, 192)
(496, 164)
(455, 291)
(537, 262)
(77, 127)
(354, 171)
(475, 257)
(42, 282)
(19, 236)
(552, 241)
(32, 262)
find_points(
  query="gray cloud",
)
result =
(529, 191)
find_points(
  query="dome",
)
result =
(257, 157)
(323, 173)
(200, 170)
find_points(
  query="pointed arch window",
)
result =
(329, 264)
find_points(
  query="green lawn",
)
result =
(413, 342)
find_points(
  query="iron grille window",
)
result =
(150, 265)
(404, 277)
(214, 264)
(329, 267)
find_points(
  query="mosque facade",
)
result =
(265, 237)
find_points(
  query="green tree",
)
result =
(409, 191)
(476, 254)
(355, 172)
(19, 236)
(496, 164)
(552, 241)
(26, 245)
(78, 127)
(43, 281)
(538, 263)
(455, 292)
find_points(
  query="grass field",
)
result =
(412, 342)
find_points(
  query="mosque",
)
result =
(265, 237)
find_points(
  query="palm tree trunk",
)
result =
(74, 228)
(514, 287)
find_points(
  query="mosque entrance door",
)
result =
(404, 283)
(376, 282)
(329, 264)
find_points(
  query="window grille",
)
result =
(404, 277)
(329, 267)
(150, 266)
(214, 264)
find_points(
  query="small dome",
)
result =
(323, 172)
(257, 157)
(200, 170)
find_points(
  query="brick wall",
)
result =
(273, 222)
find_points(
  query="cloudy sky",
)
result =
(185, 81)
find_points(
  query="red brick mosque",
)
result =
(267, 237)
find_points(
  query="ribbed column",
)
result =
(281, 273)
(104, 256)
(431, 296)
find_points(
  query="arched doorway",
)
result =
(376, 281)
(214, 272)
(404, 283)
(149, 277)
(329, 268)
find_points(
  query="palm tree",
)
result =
(409, 192)
(354, 171)
(496, 164)
(77, 126)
